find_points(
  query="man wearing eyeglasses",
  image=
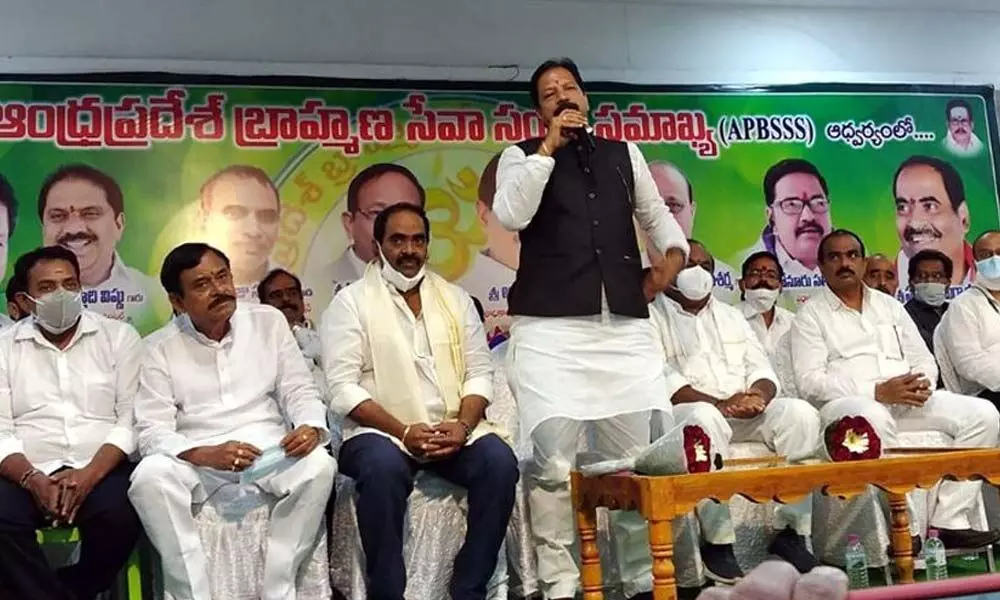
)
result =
(678, 195)
(931, 214)
(240, 211)
(960, 139)
(798, 216)
(373, 189)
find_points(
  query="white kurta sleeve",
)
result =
(757, 364)
(962, 337)
(295, 388)
(9, 444)
(344, 349)
(651, 211)
(156, 408)
(521, 180)
(810, 363)
(478, 361)
(128, 357)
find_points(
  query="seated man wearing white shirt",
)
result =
(760, 288)
(970, 328)
(67, 381)
(858, 353)
(718, 374)
(216, 387)
(283, 290)
(406, 363)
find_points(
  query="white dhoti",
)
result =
(583, 384)
(164, 489)
(788, 426)
(971, 422)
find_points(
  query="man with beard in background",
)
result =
(82, 208)
(880, 274)
(932, 214)
(283, 290)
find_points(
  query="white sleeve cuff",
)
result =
(478, 386)
(123, 439)
(347, 398)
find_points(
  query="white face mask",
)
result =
(398, 280)
(930, 293)
(988, 273)
(694, 283)
(760, 300)
(57, 312)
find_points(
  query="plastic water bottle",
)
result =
(937, 562)
(856, 563)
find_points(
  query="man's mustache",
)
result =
(80, 236)
(845, 271)
(221, 299)
(809, 227)
(407, 259)
(910, 231)
(565, 105)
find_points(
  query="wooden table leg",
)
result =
(661, 545)
(902, 542)
(590, 557)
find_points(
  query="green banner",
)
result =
(161, 141)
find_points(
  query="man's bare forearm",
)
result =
(370, 414)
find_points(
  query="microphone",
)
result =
(579, 134)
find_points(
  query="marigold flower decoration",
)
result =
(697, 449)
(852, 438)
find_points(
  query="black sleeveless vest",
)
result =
(581, 237)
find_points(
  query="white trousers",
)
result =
(555, 444)
(971, 422)
(788, 426)
(164, 488)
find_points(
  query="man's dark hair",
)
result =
(929, 256)
(693, 242)
(786, 167)
(27, 261)
(107, 184)
(949, 176)
(9, 201)
(383, 219)
(958, 103)
(180, 259)
(757, 256)
(835, 234)
(553, 63)
(373, 172)
(14, 285)
(238, 172)
(264, 283)
(479, 309)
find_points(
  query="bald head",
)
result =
(880, 273)
(676, 192)
(987, 245)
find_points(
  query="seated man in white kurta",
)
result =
(218, 386)
(407, 365)
(760, 290)
(857, 352)
(718, 375)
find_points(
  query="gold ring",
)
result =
(239, 452)
(305, 437)
(236, 462)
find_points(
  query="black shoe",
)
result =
(967, 539)
(720, 563)
(792, 548)
(642, 596)
(915, 543)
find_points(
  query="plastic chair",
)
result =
(128, 586)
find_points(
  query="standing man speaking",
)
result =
(583, 353)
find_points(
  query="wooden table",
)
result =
(661, 499)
